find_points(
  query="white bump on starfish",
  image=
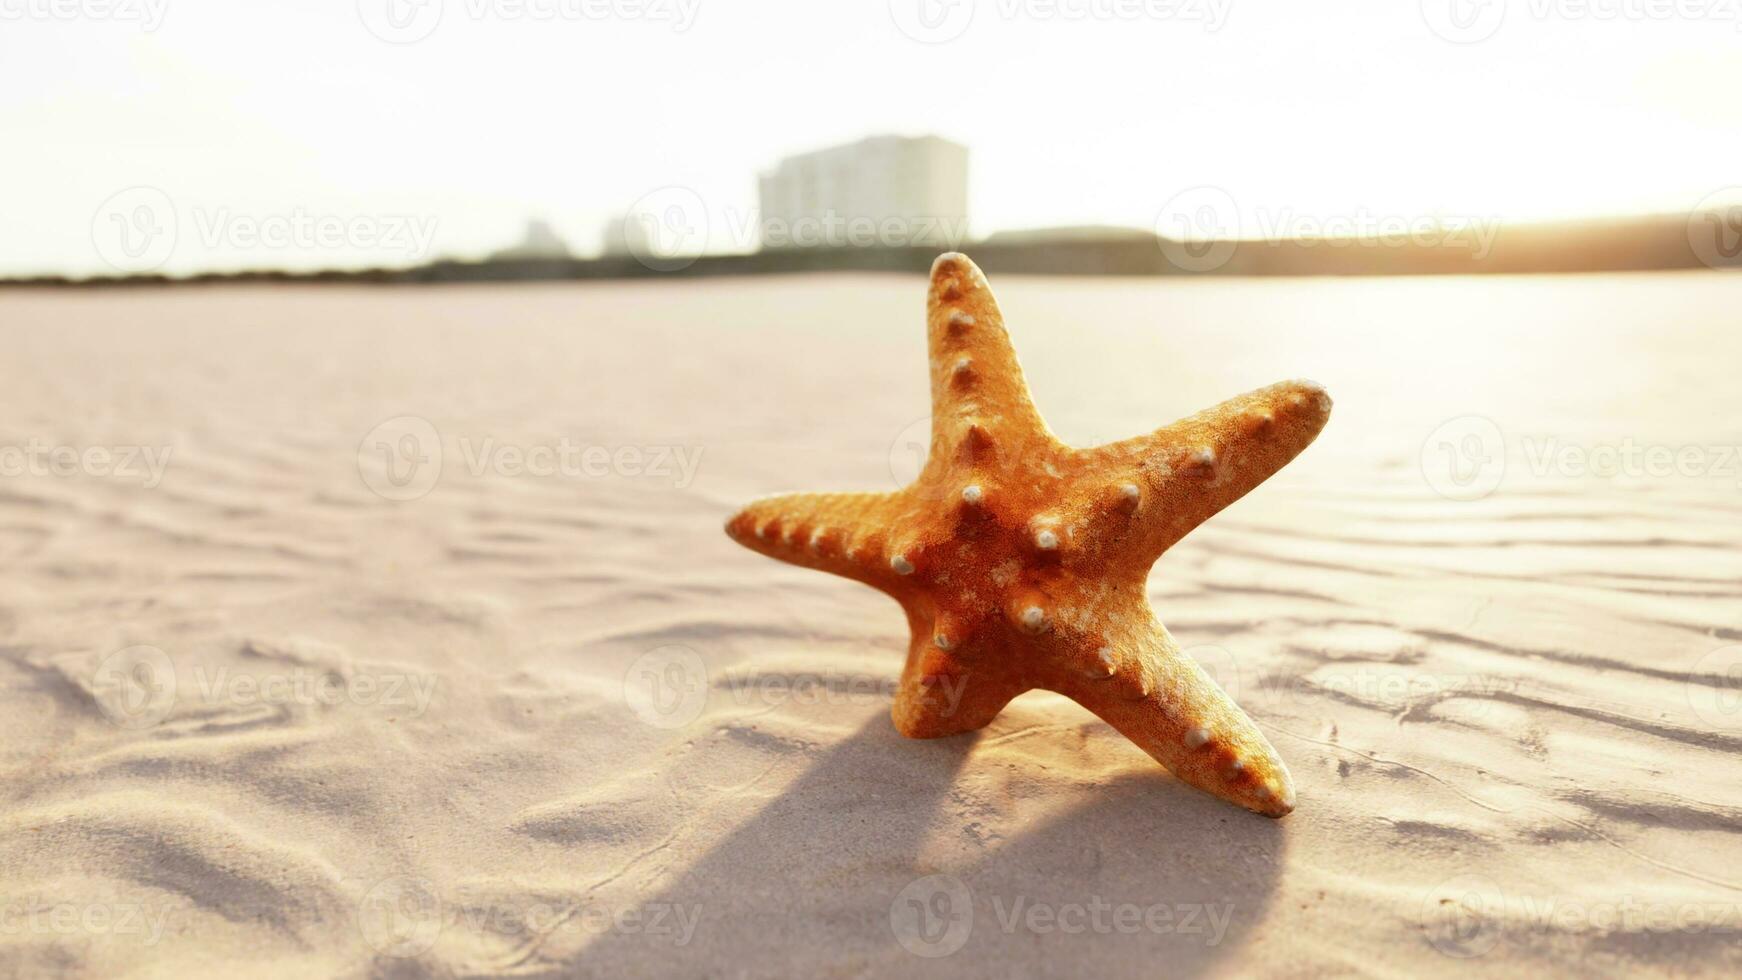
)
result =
(958, 319)
(901, 565)
(1204, 456)
(1197, 738)
(972, 494)
(762, 531)
(962, 365)
(817, 538)
(1130, 492)
(1236, 767)
(1108, 663)
(1144, 684)
(1034, 618)
(948, 258)
(943, 641)
(1046, 539)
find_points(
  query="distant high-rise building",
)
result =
(882, 190)
(540, 242)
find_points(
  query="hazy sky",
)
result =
(250, 116)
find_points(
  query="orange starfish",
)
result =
(1022, 562)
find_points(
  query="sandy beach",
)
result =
(391, 632)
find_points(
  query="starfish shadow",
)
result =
(811, 878)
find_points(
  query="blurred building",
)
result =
(539, 242)
(879, 191)
(629, 234)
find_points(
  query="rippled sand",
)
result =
(260, 718)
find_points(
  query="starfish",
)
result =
(1022, 562)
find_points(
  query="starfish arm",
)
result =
(842, 533)
(975, 379)
(1189, 471)
(939, 695)
(1158, 697)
